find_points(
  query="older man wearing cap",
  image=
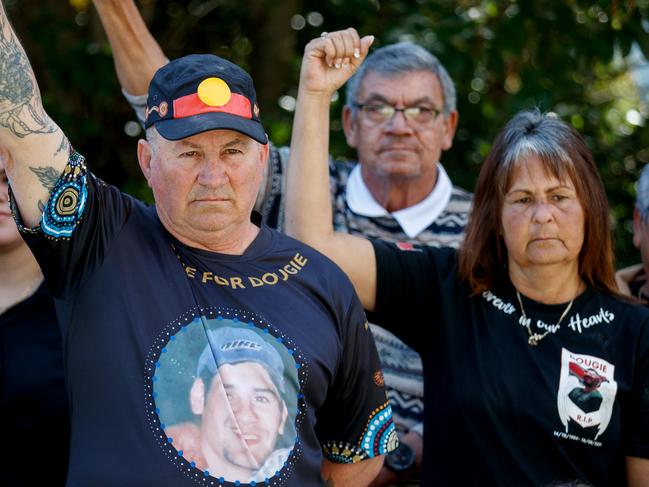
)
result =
(133, 281)
(400, 116)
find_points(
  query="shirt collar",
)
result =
(413, 219)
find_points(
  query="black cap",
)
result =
(201, 92)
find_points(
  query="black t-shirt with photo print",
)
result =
(500, 411)
(188, 367)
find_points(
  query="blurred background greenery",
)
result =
(582, 60)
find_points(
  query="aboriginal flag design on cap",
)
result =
(201, 92)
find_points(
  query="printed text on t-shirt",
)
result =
(577, 322)
(282, 274)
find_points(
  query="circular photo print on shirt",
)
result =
(226, 395)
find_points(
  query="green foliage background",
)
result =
(563, 56)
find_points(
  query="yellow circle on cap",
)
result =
(214, 92)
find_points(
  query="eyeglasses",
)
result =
(380, 113)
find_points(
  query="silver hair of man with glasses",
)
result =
(395, 59)
(633, 280)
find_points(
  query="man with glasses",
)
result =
(400, 116)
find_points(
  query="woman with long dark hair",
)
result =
(536, 372)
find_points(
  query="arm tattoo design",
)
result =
(328, 483)
(63, 146)
(48, 176)
(21, 110)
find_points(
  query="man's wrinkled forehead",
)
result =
(236, 141)
(221, 139)
(379, 97)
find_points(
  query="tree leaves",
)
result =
(504, 56)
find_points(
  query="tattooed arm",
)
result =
(38, 146)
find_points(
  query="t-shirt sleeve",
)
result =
(355, 422)
(407, 285)
(79, 222)
(138, 104)
(636, 420)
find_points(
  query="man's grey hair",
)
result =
(153, 138)
(397, 59)
(642, 193)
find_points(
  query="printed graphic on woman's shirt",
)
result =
(586, 396)
(226, 395)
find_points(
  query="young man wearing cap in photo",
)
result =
(130, 279)
(240, 395)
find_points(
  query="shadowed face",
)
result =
(641, 237)
(242, 417)
(542, 218)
